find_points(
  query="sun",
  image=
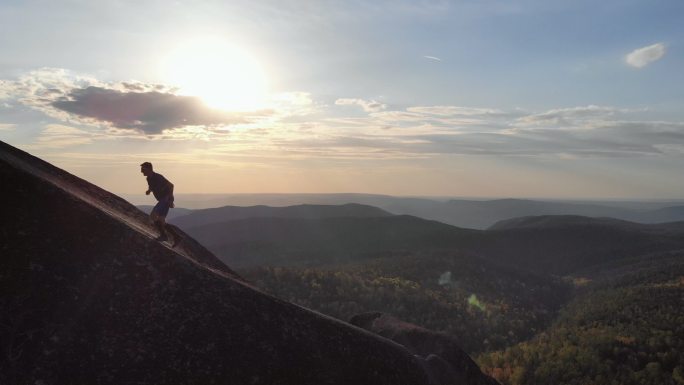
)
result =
(222, 74)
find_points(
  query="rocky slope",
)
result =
(444, 358)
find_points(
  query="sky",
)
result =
(478, 98)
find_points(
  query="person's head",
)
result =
(146, 168)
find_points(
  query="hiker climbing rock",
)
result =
(163, 192)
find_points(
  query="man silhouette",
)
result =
(163, 192)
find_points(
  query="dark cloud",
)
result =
(150, 112)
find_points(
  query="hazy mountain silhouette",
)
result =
(567, 244)
(484, 213)
(466, 213)
(288, 241)
(549, 244)
(88, 297)
(561, 221)
(231, 213)
(665, 214)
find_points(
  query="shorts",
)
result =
(161, 209)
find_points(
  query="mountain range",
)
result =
(561, 299)
(316, 235)
(467, 213)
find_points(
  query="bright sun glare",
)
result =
(222, 74)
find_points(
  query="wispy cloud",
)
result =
(61, 136)
(435, 58)
(7, 126)
(454, 111)
(641, 57)
(434, 131)
(367, 105)
(568, 117)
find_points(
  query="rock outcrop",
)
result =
(444, 360)
(88, 297)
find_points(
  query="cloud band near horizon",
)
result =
(380, 133)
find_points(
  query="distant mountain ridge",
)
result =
(231, 213)
(557, 244)
(491, 211)
(466, 213)
(564, 221)
(555, 221)
(287, 241)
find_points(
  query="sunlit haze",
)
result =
(220, 73)
(530, 98)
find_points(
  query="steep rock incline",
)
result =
(102, 200)
(87, 297)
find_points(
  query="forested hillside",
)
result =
(486, 306)
(613, 321)
(624, 331)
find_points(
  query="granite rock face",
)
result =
(445, 361)
(88, 297)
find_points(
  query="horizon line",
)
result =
(463, 197)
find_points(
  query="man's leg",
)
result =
(170, 230)
(160, 227)
(158, 222)
(165, 228)
(159, 218)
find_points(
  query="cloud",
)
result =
(293, 104)
(4, 89)
(569, 117)
(399, 116)
(293, 128)
(367, 105)
(7, 126)
(435, 58)
(641, 57)
(454, 111)
(435, 131)
(150, 112)
(138, 107)
(447, 118)
(60, 136)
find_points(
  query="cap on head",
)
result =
(146, 165)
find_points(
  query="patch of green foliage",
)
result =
(511, 306)
(626, 331)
